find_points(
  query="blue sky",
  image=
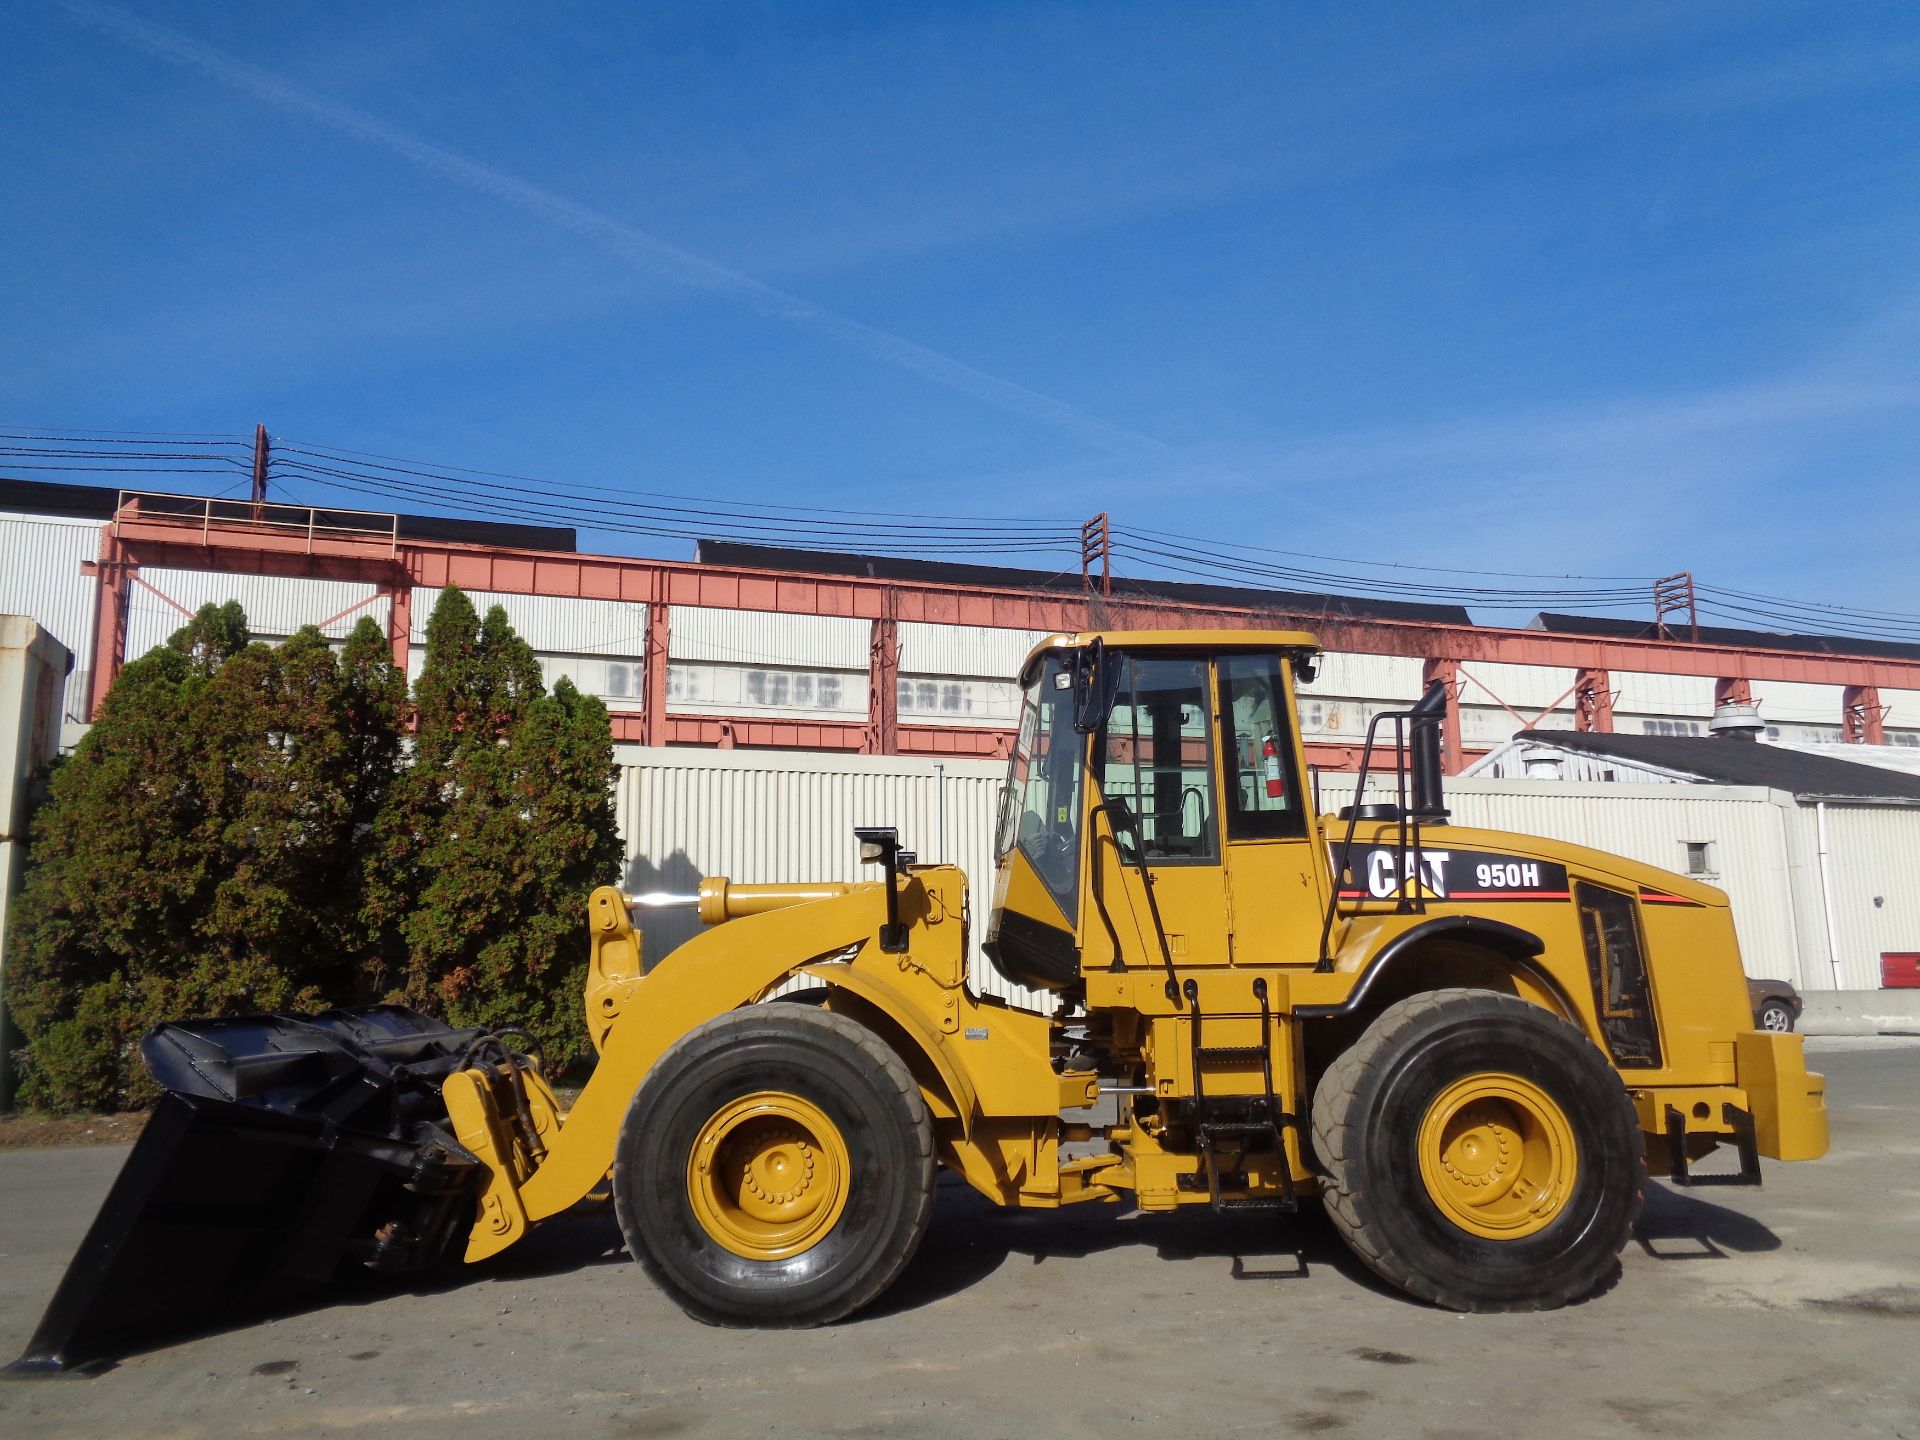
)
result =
(1606, 291)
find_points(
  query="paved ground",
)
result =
(1793, 1310)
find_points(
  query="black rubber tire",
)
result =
(865, 1090)
(1779, 1009)
(1367, 1112)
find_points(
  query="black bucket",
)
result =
(286, 1148)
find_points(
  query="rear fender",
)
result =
(1400, 965)
(716, 971)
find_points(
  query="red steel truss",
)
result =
(195, 534)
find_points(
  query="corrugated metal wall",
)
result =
(1875, 887)
(751, 637)
(964, 650)
(1527, 688)
(1641, 694)
(760, 817)
(554, 624)
(1372, 677)
(40, 560)
(275, 607)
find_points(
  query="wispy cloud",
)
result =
(647, 252)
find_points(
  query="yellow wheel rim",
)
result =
(1497, 1155)
(768, 1175)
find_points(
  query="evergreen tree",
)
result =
(496, 833)
(236, 833)
(196, 855)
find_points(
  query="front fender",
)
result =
(900, 1009)
(718, 970)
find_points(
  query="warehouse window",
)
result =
(685, 684)
(956, 699)
(1699, 857)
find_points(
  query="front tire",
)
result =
(1480, 1153)
(775, 1168)
(1777, 1016)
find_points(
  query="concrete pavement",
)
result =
(1793, 1310)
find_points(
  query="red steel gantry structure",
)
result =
(242, 537)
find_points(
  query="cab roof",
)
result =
(1209, 640)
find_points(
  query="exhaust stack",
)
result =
(1429, 793)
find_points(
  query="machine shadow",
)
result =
(971, 1238)
(1680, 1225)
(568, 1243)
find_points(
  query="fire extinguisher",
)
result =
(1270, 769)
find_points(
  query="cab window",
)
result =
(1040, 805)
(1155, 755)
(1262, 786)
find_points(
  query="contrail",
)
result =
(644, 251)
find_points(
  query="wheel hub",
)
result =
(768, 1174)
(1497, 1156)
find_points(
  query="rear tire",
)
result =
(1777, 1016)
(1480, 1153)
(775, 1168)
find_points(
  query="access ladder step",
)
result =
(1242, 1204)
(1240, 1127)
(1231, 1054)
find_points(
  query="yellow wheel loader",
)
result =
(1472, 1046)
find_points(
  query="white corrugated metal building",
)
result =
(745, 663)
(1820, 854)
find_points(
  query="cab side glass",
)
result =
(1262, 786)
(1155, 754)
(1040, 806)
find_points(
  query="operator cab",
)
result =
(1150, 770)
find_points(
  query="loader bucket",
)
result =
(285, 1148)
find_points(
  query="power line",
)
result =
(1642, 580)
(528, 510)
(449, 471)
(56, 449)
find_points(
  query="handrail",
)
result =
(1409, 828)
(312, 523)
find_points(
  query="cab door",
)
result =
(1155, 753)
(1276, 877)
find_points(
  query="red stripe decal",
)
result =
(1470, 895)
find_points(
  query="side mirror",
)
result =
(881, 844)
(1094, 683)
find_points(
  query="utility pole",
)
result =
(259, 470)
(1096, 547)
(1673, 595)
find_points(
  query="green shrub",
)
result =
(496, 833)
(242, 831)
